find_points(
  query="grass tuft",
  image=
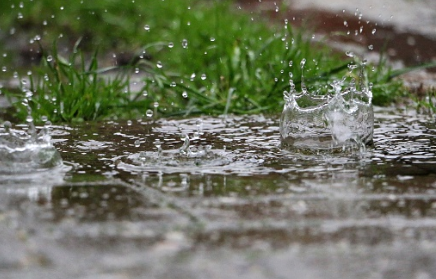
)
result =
(193, 57)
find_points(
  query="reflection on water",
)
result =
(243, 203)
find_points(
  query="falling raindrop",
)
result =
(137, 143)
(184, 43)
(349, 53)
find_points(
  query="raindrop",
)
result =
(137, 143)
(129, 122)
(349, 53)
(203, 77)
(184, 43)
(370, 47)
(159, 64)
(4, 69)
(171, 45)
(29, 119)
(156, 104)
(373, 31)
(149, 113)
(185, 94)
(212, 39)
(7, 125)
(147, 27)
(142, 156)
(49, 58)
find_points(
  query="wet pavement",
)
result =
(237, 207)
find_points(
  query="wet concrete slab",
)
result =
(263, 213)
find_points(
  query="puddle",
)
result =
(233, 198)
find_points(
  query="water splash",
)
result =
(187, 149)
(25, 150)
(341, 120)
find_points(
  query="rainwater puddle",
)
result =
(138, 200)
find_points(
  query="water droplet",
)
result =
(185, 94)
(156, 104)
(149, 113)
(373, 31)
(137, 143)
(4, 69)
(184, 43)
(29, 119)
(349, 53)
(129, 122)
(171, 45)
(7, 125)
(142, 156)
(212, 39)
(370, 47)
(203, 77)
(173, 84)
(159, 64)
(49, 58)
(147, 27)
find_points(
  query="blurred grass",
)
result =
(194, 57)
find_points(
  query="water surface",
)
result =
(237, 202)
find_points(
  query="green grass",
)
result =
(195, 57)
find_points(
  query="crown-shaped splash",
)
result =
(25, 150)
(341, 120)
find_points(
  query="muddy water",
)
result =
(243, 209)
